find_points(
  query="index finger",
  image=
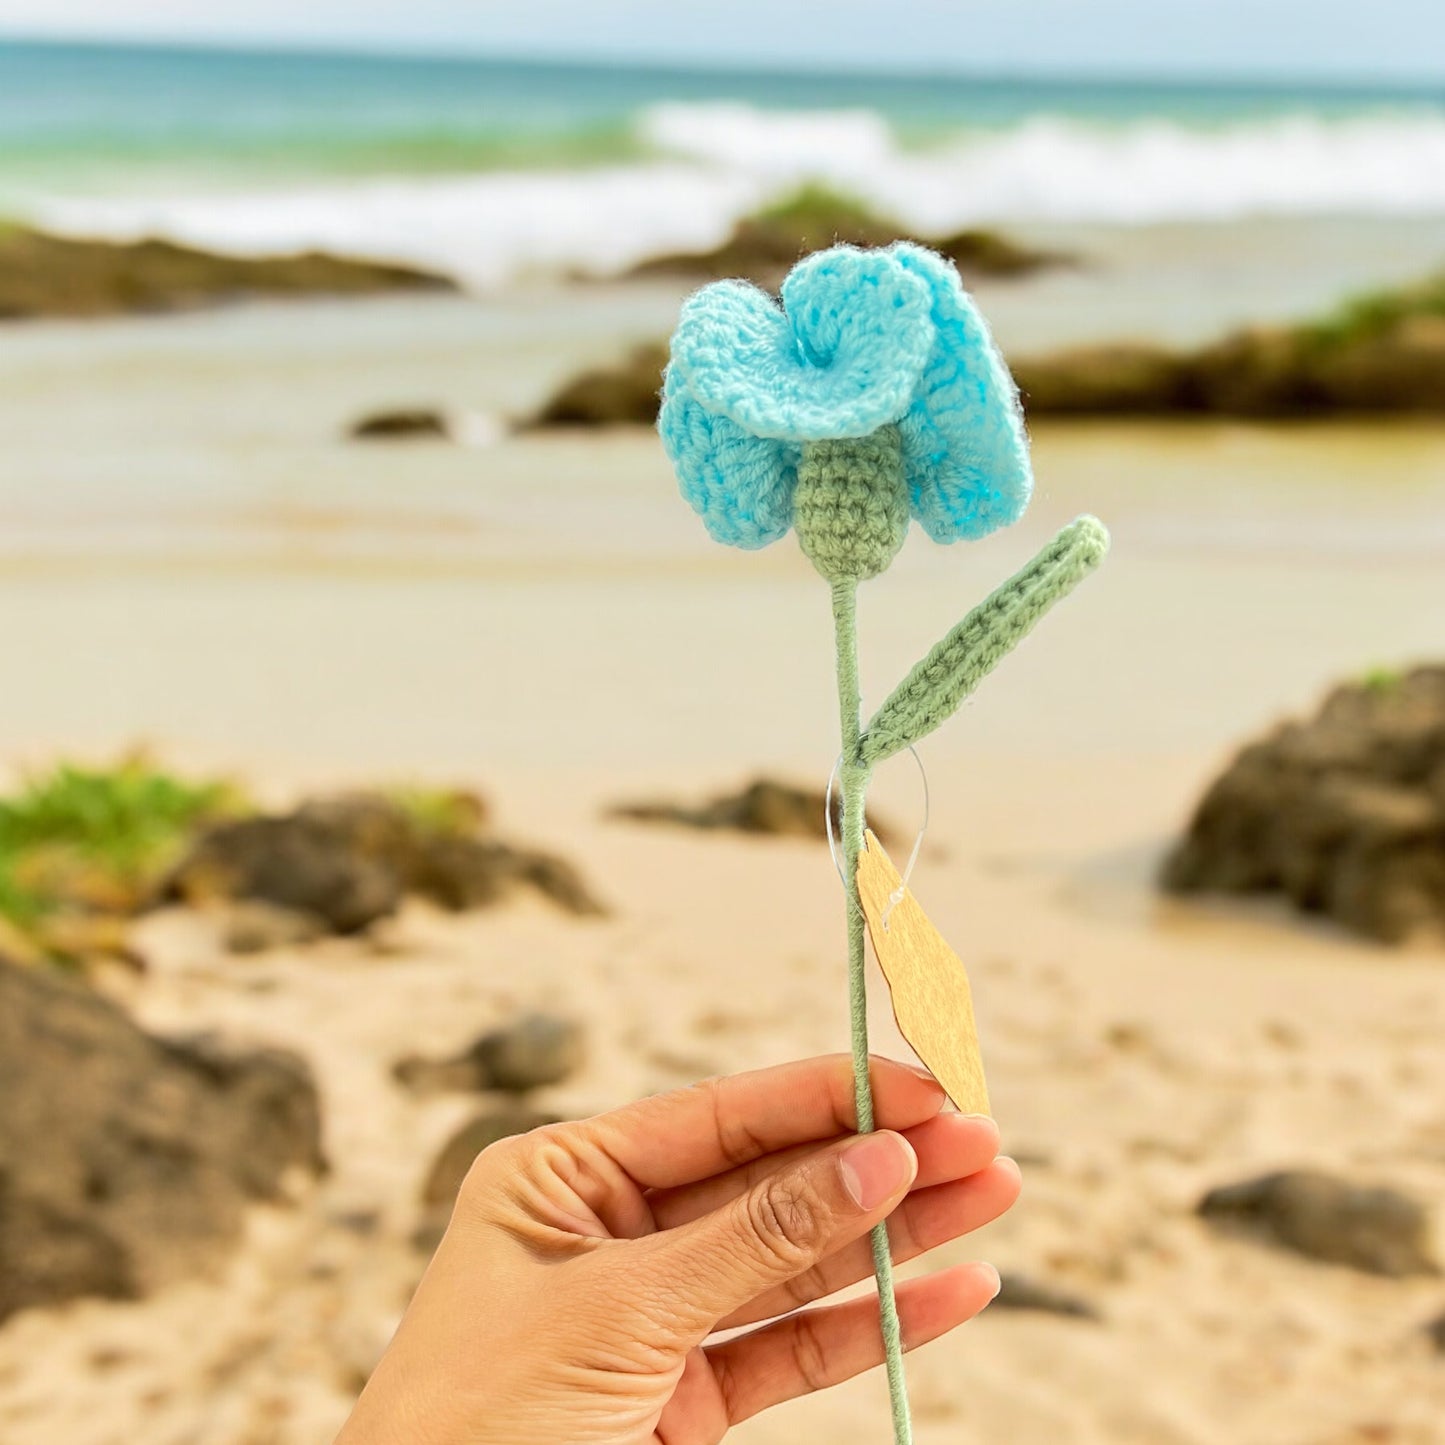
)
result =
(694, 1133)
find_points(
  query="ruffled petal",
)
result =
(965, 450)
(739, 484)
(842, 362)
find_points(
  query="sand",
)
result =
(198, 561)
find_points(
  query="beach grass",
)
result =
(93, 839)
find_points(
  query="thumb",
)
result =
(783, 1225)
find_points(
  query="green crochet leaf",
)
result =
(932, 692)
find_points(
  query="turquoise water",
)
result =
(82, 116)
(486, 169)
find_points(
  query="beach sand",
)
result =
(189, 556)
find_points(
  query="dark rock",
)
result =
(297, 862)
(1022, 1292)
(764, 247)
(127, 1161)
(537, 1050)
(1383, 353)
(253, 926)
(1370, 1228)
(444, 1179)
(627, 393)
(763, 806)
(43, 275)
(1342, 814)
(349, 860)
(555, 879)
(534, 1051)
(461, 873)
(1105, 380)
(401, 425)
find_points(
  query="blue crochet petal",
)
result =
(965, 450)
(739, 484)
(842, 362)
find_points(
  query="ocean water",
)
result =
(487, 168)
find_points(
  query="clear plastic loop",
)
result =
(896, 897)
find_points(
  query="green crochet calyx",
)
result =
(850, 506)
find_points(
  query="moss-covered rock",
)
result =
(81, 849)
(43, 275)
(1381, 353)
(764, 247)
(84, 850)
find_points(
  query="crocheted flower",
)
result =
(863, 339)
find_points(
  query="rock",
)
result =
(127, 1161)
(1382, 353)
(1022, 1292)
(764, 247)
(763, 806)
(1105, 380)
(534, 1051)
(986, 253)
(297, 862)
(1370, 1228)
(254, 926)
(43, 275)
(444, 1179)
(627, 393)
(537, 1050)
(460, 873)
(401, 425)
(349, 860)
(1343, 814)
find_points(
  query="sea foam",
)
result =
(709, 163)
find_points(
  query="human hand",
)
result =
(586, 1265)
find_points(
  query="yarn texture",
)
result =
(851, 505)
(874, 393)
(936, 687)
(863, 339)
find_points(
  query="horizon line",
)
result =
(403, 52)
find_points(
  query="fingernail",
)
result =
(980, 1118)
(1009, 1162)
(987, 1270)
(875, 1168)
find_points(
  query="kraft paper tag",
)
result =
(931, 997)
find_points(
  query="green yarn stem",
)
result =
(853, 778)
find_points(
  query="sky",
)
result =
(1368, 40)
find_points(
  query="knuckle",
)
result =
(810, 1355)
(508, 1157)
(788, 1221)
